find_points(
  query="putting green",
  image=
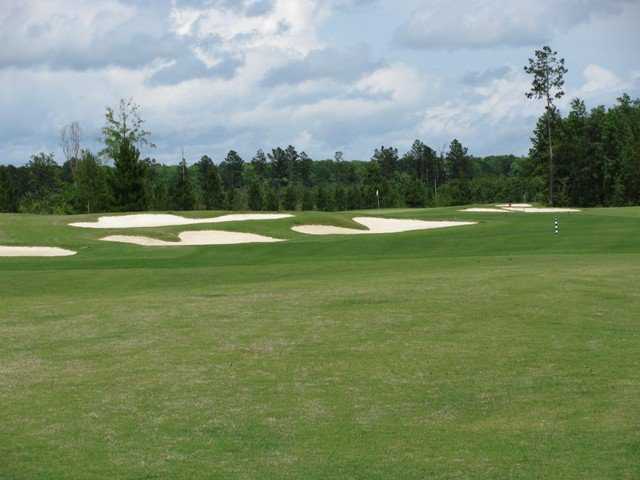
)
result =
(498, 350)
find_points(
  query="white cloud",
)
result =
(400, 82)
(200, 71)
(494, 111)
(495, 106)
(288, 25)
(436, 24)
(83, 34)
(599, 80)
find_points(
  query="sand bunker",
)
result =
(516, 205)
(327, 230)
(519, 207)
(204, 237)
(541, 210)
(35, 252)
(487, 210)
(377, 225)
(142, 220)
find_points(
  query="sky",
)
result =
(322, 75)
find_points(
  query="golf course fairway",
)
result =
(489, 351)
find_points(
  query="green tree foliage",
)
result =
(458, 162)
(124, 125)
(44, 187)
(325, 199)
(279, 162)
(231, 170)
(44, 175)
(6, 190)
(387, 159)
(340, 197)
(256, 197)
(230, 198)
(182, 197)
(421, 162)
(324, 172)
(129, 178)
(345, 172)
(415, 193)
(307, 199)
(597, 154)
(596, 162)
(157, 185)
(91, 184)
(372, 184)
(260, 166)
(305, 170)
(9, 196)
(272, 199)
(290, 199)
(293, 160)
(354, 198)
(210, 184)
(123, 136)
(500, 165)
(548, 73)
(390, 195)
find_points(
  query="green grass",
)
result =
(494, 351)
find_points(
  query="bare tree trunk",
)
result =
(70, 142)
(550, 156)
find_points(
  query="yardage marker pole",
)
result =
(556, 226)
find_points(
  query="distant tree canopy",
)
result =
(129, 177)
(124, 125)
(596, 162)
(596, 155)
(91, 188)
(211, 192)
(547, 71)
(458, 162)
(181, 192)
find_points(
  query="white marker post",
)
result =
(556, 226)
(378, 197)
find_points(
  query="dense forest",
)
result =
(596, 161)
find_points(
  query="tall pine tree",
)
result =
(129, 177)
(182, 191)
(210, 184)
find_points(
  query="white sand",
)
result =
(541, 210)
(520, 207)
(378, 225)
(141, 220)
(327, 230)
(516, 205)
(35, 252)
(487, 210)
(204, 237)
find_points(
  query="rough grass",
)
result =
(492, 351)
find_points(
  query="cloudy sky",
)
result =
(324, 75)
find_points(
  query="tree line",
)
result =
(586, 158)
(282, 179)
(596, 159)
(597, 162)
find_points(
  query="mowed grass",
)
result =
(493, 351)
